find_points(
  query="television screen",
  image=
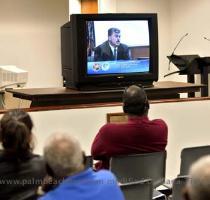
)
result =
(130, 38)
(109, 50)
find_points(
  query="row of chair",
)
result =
(137, 167)
(142, 172)
(139, 190)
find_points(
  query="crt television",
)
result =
(89, 60)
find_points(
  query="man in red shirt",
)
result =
(138, 135)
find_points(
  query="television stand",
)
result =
(64, 96)
(148, 85)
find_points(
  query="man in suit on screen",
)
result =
(112, 49)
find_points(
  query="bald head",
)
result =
(135, 101)
(199, 184)
(64, 155)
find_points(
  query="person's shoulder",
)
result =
(159, 122)
(110, 126)
(104, 44)
(106, 174)
(124, 45)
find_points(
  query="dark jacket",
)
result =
(20, 176)
(103, 52)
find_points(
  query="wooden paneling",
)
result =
(139, 52)
(89, 6)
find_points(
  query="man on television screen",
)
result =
(112, 49)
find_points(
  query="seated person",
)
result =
(65, 164)
(198, 186)
(112, 49)
(21, 171)
(138, 135)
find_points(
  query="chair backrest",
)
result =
(178, 186)
(116, 117)
(88, 162)
(190, 155)
(131, 168)
(140, 190)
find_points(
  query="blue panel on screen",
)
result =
(118, 67)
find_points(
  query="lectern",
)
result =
(190, 65)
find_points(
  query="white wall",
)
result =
(30, 38)
(74, 7)
(108, 6)
(190, 16)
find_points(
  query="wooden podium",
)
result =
(202, 67)
(190, 65)
(65, 96)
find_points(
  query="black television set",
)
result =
(85, 66)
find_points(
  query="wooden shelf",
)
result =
(66, 96)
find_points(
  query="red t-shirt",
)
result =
(138, 135)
